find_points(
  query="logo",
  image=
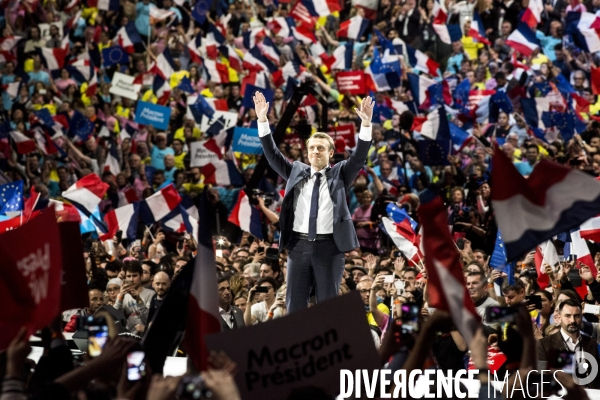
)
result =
(585, 368)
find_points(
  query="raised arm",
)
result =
(358, 158)
(276, 160)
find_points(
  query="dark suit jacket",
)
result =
(556, 342)
(238, 317)
(339, 179)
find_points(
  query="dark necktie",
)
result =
(314, 208)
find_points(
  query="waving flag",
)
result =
(252, 37)
(420, 61)
(114, 55)
(203, 307)
(122, 219)
(254, 60)
(269, 50)
(523, 40)
(282, 26)
(216, 71)
(53, 58)
(80, 126)
(229, 52)
(590, 229)
(554, 199)
(321, 8)
(584, 29)
(354, 28)
(532, 15)
(342, 57)
(200, 10)
(446, 287)
(24, 144)
(304, 35)
(112, 163)
(180, 221)
(164, 65)
(368, 6)
(246, 216)
(160, 204)
(222, 173)
(11, 197)
(127, 37)
(545, 253)
(418, 88)
(105, 5)
(193, 46)
(86, 193)
(460, 138)
(159, 14)
(499, 101)
(436, 126)
(477, 30)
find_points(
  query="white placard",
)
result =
(122, 85)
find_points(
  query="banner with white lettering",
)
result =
(122, 85)
(246, 140)
(203, 152)
(346, 131)
(307, 348)
(152, 114)
(30, 277)
(351, 82)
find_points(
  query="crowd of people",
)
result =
(133, 275)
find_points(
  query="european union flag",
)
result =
(80, 126)
(436, 94)
(540, 89)
(200, 10)
(216, 127)
(200, 108)
(185, 85)
(44, 116)
(564, 122)
(434, 152)
(461, 94)
(114, 55)
(11, 197)
(498, 260)
(499, 101)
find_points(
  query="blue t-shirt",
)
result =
(524, 167)
(142, 21)
(7, 102)
(40, 76)
(158, 156)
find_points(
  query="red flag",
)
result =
(595, 80)
(446, 288)
(30, 277)
(203, 307)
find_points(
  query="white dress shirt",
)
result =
(227, 316)
(303, 193)
(571, 345)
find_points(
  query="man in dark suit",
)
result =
(315, 223)
(231, 316)
(570, 339)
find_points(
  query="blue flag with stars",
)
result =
(81, 126)
(114, 55)
(11, 197)
(200, 108)
(498, 260)
(185, 85)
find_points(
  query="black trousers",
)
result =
(318, 263)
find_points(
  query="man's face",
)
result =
(146, 275)
(319, 153)
(514, 298)
(178, 265)
(509, 150)
(532, 155)
(409, 279)
(266, 270)
(479, 257)
(134, 161)
(570, 319)
(177, 146)
(224, 294)
(241, 255)
(135, 278)
(396, 121)
(595, 142)
(356, 275)
(505, 29)
(502, 119)
(96, 300)
(161, 284)
(364, 288)
(169, 161)
(386, 169)
(476, 287)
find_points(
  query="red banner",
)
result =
(351, 82)
(30, 277)
(300, 13)
(347, 132)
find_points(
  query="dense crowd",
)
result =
(462, 78)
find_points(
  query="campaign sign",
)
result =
(306, 348)
(345, 131)
(351, 82)
(152, 114)
(246, 140)
(203, 152)
(122, 85)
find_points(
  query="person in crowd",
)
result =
(232, 317)
(161, 282)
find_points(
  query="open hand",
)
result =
(365, 112)
(261, 106)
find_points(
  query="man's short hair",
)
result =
(269, 280)
(569, 302)
(321, 135)
(114, 266)
(477, 274)
(410, 269)
(133, 266)
(533, 146)
(222, 278)
(517, 287)
(153, 266)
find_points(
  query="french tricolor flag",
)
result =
(304, 35)
(554, 199)
(24, 144)
(216, 71)
(368, 6)
(584, 27)
(222, 173)
(523, 40)
(405, 238)
(353, 28)
(281, 26)
(460, 138)
(203, 307)
(477, 31)
(422, 62)
(231, 54)
(580, 249)
(436, 126)
(269, 50)
(321, 8)
(180, 221)
(253, 36)
(342, 57)
(86, 193)
(418, 88)
(164, 65)
(590, 229)
(532, 15)
(246, 216)
(122, 219)
(127, 37)
(53, 58)
(160, 204)
(194, 46)
(112, 159)
(106, 5)
(254, 60)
